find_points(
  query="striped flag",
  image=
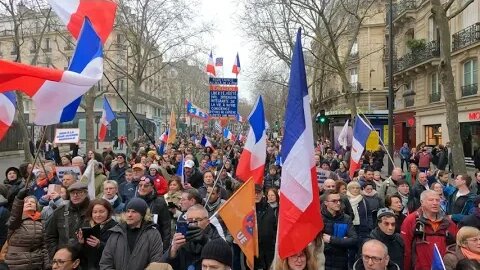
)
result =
(236, 66)
(210, 65)
(361, 131)
(8, 102)
(437, 262)
(107, 117)
(219, 62)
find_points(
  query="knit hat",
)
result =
(219, 251)
(384, 212)
(12, 169)
(139, 205)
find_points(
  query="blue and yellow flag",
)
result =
(240, 217)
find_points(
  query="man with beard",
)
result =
(67, 219)
(193, 177)
(158, 208)
(185, 251)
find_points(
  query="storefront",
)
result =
(405, 131)
(470, 132)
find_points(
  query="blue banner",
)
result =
(223, 97)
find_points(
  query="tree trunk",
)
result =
(349, 96)
(447, 81)
(90, 119)
(23, 128)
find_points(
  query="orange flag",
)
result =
(172, 132)
(240, 217)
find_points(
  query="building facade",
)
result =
(420, 114)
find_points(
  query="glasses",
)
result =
(474, 240)
(374, 259)
(60, 262)
(77, 193)
(195, 220)
(334, 201)
(298, 257)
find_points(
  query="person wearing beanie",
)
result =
(67, 219)
(134, 243)
(14, 182)
(217, 254)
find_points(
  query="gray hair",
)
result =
(72, 173)
(378, 243)
(111, 182)
(426, 193)
(198, 207)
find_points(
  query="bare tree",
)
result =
(154, 32)
(441, 17)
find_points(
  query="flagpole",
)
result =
(128, 108)
(381, 141)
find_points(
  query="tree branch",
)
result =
(458, 11)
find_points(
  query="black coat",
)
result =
(196, 180)
(267, 232)
(336, 252)
(91, 255)
(414, 198)
(442, 159)
(394, 243)
(4, 215)
(158, 206)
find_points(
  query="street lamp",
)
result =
(97, 121)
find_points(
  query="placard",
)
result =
(67, 135)
(223, 97)
(61, 171)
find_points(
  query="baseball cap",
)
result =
(189, 164)
(138, 166)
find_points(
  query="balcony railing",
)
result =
(355, 87)
(435, 97)
(466, 37)
(469, 90)
(417, 56)
(403, 6)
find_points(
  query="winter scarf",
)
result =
(371, 194)
(470, 255)
(212, 206)
(354, 201)
(33, 215)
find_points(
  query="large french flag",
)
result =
(107, 117)
(299, 213)
(236, 66)
(8, 101)
(361, 131)
(100, 12)
(52, 91)
(252, 159)
(210, 65)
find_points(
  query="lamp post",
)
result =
(97, 120)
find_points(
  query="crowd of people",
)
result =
(157, 210)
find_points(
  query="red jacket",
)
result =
(160, 183)
(424, 159)
(422, 242)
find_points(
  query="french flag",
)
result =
(180, 170)
(236, 66)
(227, 134)
(252, 159)
(53, 91)
(107, 117)
(240, 118)
(164, 137)
(8, 101)
(100, 12)
(210, 65)
(299, 213)
(205, 142)
(361, 131)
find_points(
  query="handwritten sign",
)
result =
(67, 135)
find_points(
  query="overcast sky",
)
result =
(228, 40)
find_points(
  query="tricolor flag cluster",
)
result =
(205, 142)
(218, 62)
(195, 111)
(107, 117)
(56, 94)
(227, 134)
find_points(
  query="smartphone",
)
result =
(182, 227)
(87, 232)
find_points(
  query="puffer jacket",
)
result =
(58, 231)
(13, 188)
(26, 245)
(343, 237)
(118, 256)
(452, 257)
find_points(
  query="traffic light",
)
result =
(322, 118)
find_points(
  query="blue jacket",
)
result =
(467, 201)
(127, 190)
(405, 152)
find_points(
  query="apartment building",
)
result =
(420, 114)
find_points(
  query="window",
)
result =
(47, 45)
(34, 46)
(353, 76)
(354, 51)
(433, 134)
(436, 88)
(432, 30)
(469, 15)
(470, 72)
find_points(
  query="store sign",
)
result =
(474, 116)
(411, 122)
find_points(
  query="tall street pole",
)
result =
(390, 86)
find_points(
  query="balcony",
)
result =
(466, 37)
(355, 87)
(469, 90)
(435, 97)
(418, 56)
(402, 7)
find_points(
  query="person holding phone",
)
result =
(95, 232)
